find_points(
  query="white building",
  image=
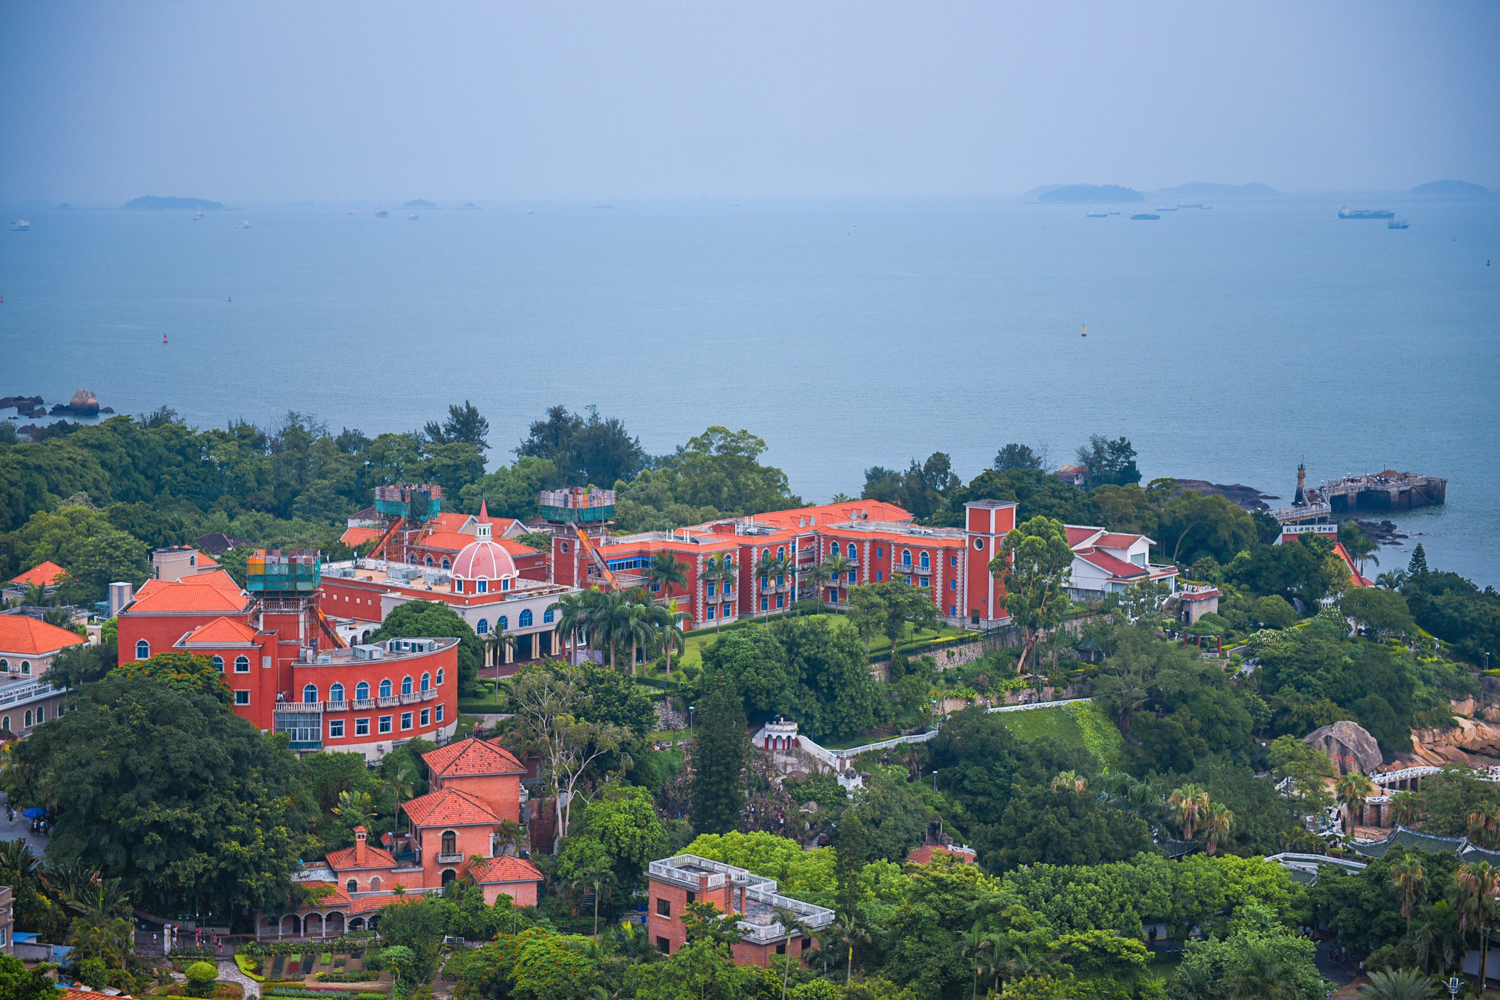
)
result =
(1107, 562)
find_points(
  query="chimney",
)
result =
(120, 594)
(361, 848)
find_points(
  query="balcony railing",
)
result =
(311, 707)
(430, 695)
(306, 744)
(389, 702)
(336, 706)
(359, 703)
(449, 859)
(411, 699)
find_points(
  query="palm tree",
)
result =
(573, 616)
(403, 783)
(841, 497)
(668, 620)
(666, 572)
(1188, 803)
(1474, 888)
(1484, 822)
(818, 574)
(1351, 789)
(1408, 876)
(770, 569)
(36, 596)
(1070, 779)
(1392, 579)
(355, 804)
(593, 877)
(512, 835)
(791, 922)
(1217, 826)
(1404, 807)
(719, 569)
(854, 933)
(632, 626)
(495, 645)
(1399, 984)
(977, 943)
(839, 566)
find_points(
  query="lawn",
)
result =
(1079, 724)
(880, 646)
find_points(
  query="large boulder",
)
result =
(1348, 746)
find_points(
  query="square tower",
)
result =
(986, 523)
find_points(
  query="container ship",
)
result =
(1365, 213)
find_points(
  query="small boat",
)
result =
(244, 224)
(380, 213)
(20, 226)
(1398, 224)
(413, 217)
(1159, 208)
(1085, 331)
(1145, 215)
(197, 215)
(1096, 215)
(1366, 213)
(1183, 204)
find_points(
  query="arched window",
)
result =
(362, 691)
(526, 618)
(219, 664)
(310, 693)
(426, 682)
(502, 623)
(449, 875)
(26, 667)
(242, 664)
(926, 561)
(482, 626)
(4, 663)
(833, 549)
(385, 688)
(375, 884)
(781, 553)
(446, 564)
(336, 693)
(143, 650)
(906, 557)
(450, 842)
(430, 563)
(5, 723)
(406, 684)
(352, 887)
(41, 715)
(28, 718)
(440, 677)
(547, 617)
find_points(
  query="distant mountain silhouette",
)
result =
(1086, 193)
(1218, 190)
(1450, 189)
(152, 203)
(419, 203)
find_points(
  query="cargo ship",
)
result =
(1398, 224)
(1145, 215)
(1365, 213)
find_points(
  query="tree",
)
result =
(1189, 805)
(1274, 612)
(436, 620)
(218, 828)
(464, 425)
(202, 978)
(1217, 826)
(1037, 494)
(1107, 461)
(668, 623)
(792, 925)
(1307, 767)
(892, 816)
(20, 983)
(1381, 612)
(1351, 790)
(1018, 456)
(1418, 564)
(868, 613)
(850, 861)
(1473, 895)
(1359, 545)
(82, 540)
(1399, 984)
(666, 572)
(189, 673)
(1408, 876)
(1213, 524)
(418, 923)
(721, 753)
(719, 570)
(1035, 564)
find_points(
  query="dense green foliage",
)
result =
(436, 620)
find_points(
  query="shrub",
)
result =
(347, 977)
(201, 978)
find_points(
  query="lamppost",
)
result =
(690, 721)
(934, 782)
(1454, 985)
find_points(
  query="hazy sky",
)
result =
(241, 102)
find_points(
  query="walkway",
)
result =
(230, 972)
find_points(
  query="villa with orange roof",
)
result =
(27, 646)
(451, 834)
(1107, 562)
(46, 574)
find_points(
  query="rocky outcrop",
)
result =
(1469, 741)
(83, 404)
(1348, 746)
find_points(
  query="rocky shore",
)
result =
(83, 404)
(1238, 494)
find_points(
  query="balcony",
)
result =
(362, 703)
(310, 707)
(772, 587)
(336, 706)
(389, 702)
(450, 859)
(411, 699)
(430, 695)
(306, 744)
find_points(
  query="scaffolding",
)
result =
(577, 505)
(414, 503)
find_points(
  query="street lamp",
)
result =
(690, 722)
(1454, 985)
(934, 782)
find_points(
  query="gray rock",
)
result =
(1348, 745)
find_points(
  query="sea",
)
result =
(1228, 343)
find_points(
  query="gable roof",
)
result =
(449, 807)
(1111, 565)
(214, 592)
(504, 869)
(45, 574)
(221, 631)
(25, 636)
(1078, 534)
(358, 536)
(450, 541)
(343, 859)
(472, 756)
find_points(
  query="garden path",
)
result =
(228, 970)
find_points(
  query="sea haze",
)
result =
(1227, 344)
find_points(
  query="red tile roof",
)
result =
(206, 560)
(832, 513)
(22, 636)
(205, 593)
(504, 869)
(1118, 540)
(45, 574)
(358, 536)
(1077, 534)
(472, 756)
(449, 807)
(924, 854)
(1114, 567)
(448, 541)
(222, 631)
(343, 860)
(449, 520)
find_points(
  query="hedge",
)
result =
(347, 977)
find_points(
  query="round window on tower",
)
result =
(979, 543)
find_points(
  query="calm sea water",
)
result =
(1226, 344)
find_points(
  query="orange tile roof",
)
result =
(1118, 540)
(831, 513)
(450, 541)
(504, 869)
(343, 860)
(222, 631)
(24, 636)
(45, 574)
(472, 756)
(449, 807)
(204, 559)
(450, 520)
(202, 594)
(924, 854)
(358, 536)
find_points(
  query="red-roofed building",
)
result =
(442, 536)
(1289, 533)
(47, 574)
(180, 561)
(1107, 562)
(926, 852)
(27, 646)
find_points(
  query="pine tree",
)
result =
(849, 862)
(721, 753)
(1418, 564)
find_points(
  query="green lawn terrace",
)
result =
(333, 966)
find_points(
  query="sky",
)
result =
(358, 101)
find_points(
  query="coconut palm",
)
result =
(1350, 790)
(818, 575)
(1484, 823)
(793, 926)
(667, 620)
(839, 566)
(665, 572)
(1217, 826)
(402, 781)
(1473, 894)
(495, 645)
(1404, 807)
(1070, 779)
(510, 835)
(1410, 878)
(771, 569)
(977, 944)
(1188, 804)
(631, 625)
(1399, 984)
(591, 879)
(1393, 579)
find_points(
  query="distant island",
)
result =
(1450, 189)
(419, 203)
(154, 204)
(1086, 193)
(1201, 188)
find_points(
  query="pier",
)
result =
(1376, 492)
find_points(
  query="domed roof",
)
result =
(483, 559)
